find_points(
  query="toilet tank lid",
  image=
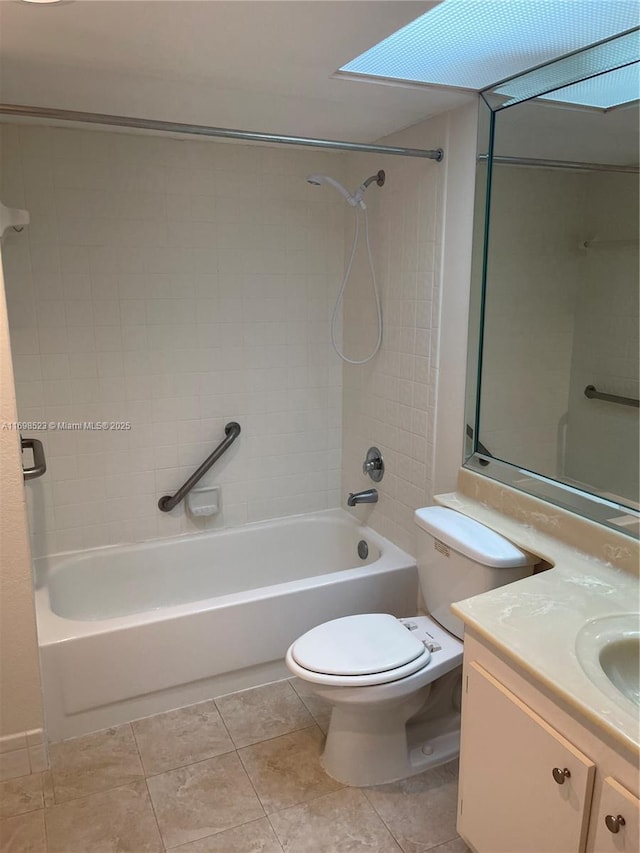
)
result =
(472, 539)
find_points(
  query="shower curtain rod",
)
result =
(559, 164)
(219, 132)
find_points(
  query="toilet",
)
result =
(394, 684)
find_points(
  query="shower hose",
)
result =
(339, 300)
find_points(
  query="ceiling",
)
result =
(263, 65)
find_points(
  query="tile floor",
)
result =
(236, 775)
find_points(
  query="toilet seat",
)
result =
(364, 650)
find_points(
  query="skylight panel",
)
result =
(604, 92)
(581, 74)
(473, 44)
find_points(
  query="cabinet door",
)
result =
(616, 802)
(510, 801)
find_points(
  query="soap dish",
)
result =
(204, 501)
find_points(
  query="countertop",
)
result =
(534, 622)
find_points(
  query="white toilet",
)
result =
(395, 684)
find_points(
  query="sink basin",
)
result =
(608, 650)
(620, 661)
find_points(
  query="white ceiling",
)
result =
(262, 65)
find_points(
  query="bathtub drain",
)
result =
(363, 549)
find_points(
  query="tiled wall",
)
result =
(390, 401)
(23, 753)
(175, 284)
(534, 273)
(602, 437)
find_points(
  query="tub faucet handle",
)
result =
(373, 464)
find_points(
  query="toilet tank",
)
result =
(459, 557)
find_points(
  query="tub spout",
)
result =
(369, 496)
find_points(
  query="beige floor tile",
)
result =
(18, 796)
(255, 837)
(420, 811)
(319, 708)
(286, 770)
(263, 712)
(181, 737)
(342, 822)
(47, 789)
(455, 846)
(95, 762)
(203, 799)
(23, 834)
(117, 821)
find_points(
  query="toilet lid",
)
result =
(357, 645)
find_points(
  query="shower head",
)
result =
(356, 198)
(11, 217)
(318, 180)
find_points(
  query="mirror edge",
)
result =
(618, 517)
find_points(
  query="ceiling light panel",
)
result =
(473, 44)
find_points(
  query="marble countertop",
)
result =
(535, 621)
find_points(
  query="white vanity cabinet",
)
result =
(615, 819)
(533, 779)
(524, 787)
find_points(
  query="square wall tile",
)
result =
(14, 764)
(148, 264)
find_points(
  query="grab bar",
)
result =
(593, 394)
(39, 462)
(167, 503)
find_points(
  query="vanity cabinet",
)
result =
(525, 787)
(614, 803)
(532, 778)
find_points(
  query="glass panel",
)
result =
(560, 309)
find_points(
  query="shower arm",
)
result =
(379, 178)
(168, 502)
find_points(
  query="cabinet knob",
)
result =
(561, 775)
(614, 823)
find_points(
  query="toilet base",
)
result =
(393, 739)
(371, 757)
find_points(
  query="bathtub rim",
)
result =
(46, 563)
(54, 629)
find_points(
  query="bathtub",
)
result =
(130, 631)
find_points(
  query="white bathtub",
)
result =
(130, 631)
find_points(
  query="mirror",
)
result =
(553, 386)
